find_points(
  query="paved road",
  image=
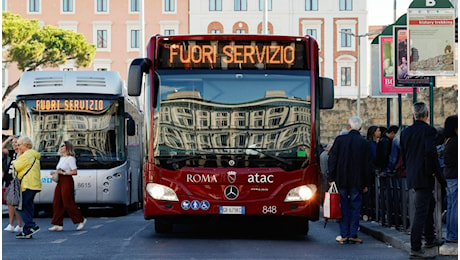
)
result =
(132, 237)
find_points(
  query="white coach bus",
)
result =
(90, 109)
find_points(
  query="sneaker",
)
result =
(9, 228)
(34, 230)
(355, 240)
(24, 235)
(82, 224)
(17, 229)
(434, 243)
(341, 240)
(55, 228)
(420, 254)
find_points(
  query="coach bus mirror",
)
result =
(136, 72)
(130, 127)
(6, 121)
(326, 93)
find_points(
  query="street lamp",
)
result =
(358, 80)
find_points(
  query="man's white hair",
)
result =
(355, 122)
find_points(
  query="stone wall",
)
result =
(374, 111)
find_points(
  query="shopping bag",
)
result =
(331, 205)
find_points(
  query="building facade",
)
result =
(114, 26)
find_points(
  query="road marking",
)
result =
(97, 226)
(59, 241)
(79, 233)
(135, 233)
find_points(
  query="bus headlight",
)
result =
(301, 193)
(161, 192)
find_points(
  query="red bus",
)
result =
(231, 128)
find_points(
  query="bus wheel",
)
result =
(163, 226)
(300, 227)
(121, 210)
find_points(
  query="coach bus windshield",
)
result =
(256, 118)
(94, 126)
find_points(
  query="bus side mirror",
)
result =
(130, 127)
(136, 72)
(326, 93)
(6, 121)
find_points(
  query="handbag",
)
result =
(13, 194)
(331, 205)
(55, 176)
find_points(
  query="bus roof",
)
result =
(48, 82)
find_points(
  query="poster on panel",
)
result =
(431, 41)
(387, 67)
(402, 56)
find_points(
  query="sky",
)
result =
(380, 12)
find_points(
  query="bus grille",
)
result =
(91, 81)
(48, 82)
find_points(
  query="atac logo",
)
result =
(231, 176)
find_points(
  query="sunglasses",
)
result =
(62, 145)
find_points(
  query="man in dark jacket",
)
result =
(420, 158)
(349, 165)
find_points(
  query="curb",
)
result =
(401, 240)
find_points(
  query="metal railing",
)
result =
(390, 203)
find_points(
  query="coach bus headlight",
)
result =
(161, 192)
(301, 193)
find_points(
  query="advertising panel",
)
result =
(431, 41)
(401, 77)
(387, 67)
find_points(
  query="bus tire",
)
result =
(300, 227)
(121, 210)
(163, 226)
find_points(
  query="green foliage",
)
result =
(31, 46)
(16, 30)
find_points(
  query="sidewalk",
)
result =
(401, 240)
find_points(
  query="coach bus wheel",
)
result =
(163, 226)
(121, 210)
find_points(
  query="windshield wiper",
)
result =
(185, 158)
(256, 150)
(279, 159)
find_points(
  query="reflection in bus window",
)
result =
(96, 134)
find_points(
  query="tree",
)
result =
(31, 46)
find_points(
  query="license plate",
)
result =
(231, 210)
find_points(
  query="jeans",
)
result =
(350, 204)
(423, 222)
(28, 210)
(452, 209)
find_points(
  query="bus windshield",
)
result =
(94, 127)
(261, 117)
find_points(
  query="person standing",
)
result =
(451, 174)
(27, 165)
(421, 161)
(64, 198)
(349, 165)
(369, 202)
(382, 159)
(8, 177)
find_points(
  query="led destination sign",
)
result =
(69, 104)
(232, 54)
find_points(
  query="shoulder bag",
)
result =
(13, 194)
